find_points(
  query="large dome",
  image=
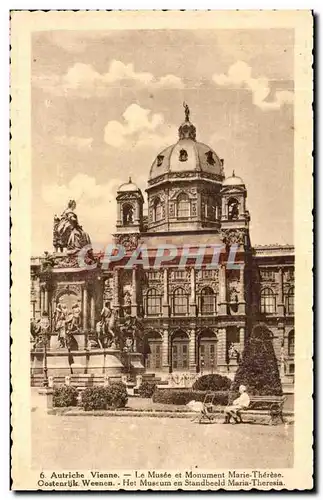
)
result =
(187, 155)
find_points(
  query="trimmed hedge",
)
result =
(117, 396)
(147, 389)
(182, 397)
(258, 370)
(99, 398)
(212, 382)
(94, 398)
(64, 395)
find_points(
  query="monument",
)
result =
(85, 334)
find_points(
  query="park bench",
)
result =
(269, 405)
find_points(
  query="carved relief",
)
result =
(108, 289)
(129, 240)
(233, 236)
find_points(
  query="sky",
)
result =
(104, 104)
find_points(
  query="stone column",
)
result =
(165, 293)
(92, 320)
(85, 304)
(242, 302)
(165, 351)
(280, 302)
(222, 290)
(222, 350)
(192, 352)
(193, 293)
(134, 293)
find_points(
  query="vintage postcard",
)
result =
(161, 168)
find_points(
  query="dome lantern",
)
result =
(187, 129)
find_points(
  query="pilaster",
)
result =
(222, 291)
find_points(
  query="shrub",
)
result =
(182, 397)
(65, 395)
(94, 398)
(147, 389)
(212, 382)
(258, 370)
(116, 394)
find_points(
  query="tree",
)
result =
(258, 370)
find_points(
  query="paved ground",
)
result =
(62, 442)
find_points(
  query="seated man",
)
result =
(242, 402)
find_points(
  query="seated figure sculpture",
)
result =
(68, 234)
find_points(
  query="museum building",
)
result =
(196, 318)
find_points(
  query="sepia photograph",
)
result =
(162, 187)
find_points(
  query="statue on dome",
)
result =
(187, 112)
(68, 234)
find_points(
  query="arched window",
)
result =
(158, 210)
(291, 343)
(153, 303)
(267, 301)
(180, 302)
(207, 302)
(290, 301)
(183, 206)
(127, 214)
(233, 209)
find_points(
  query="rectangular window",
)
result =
(180, 305)
(267, 304)
(207, 305)
(179, 275)
(153, 305)
(183, 209)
